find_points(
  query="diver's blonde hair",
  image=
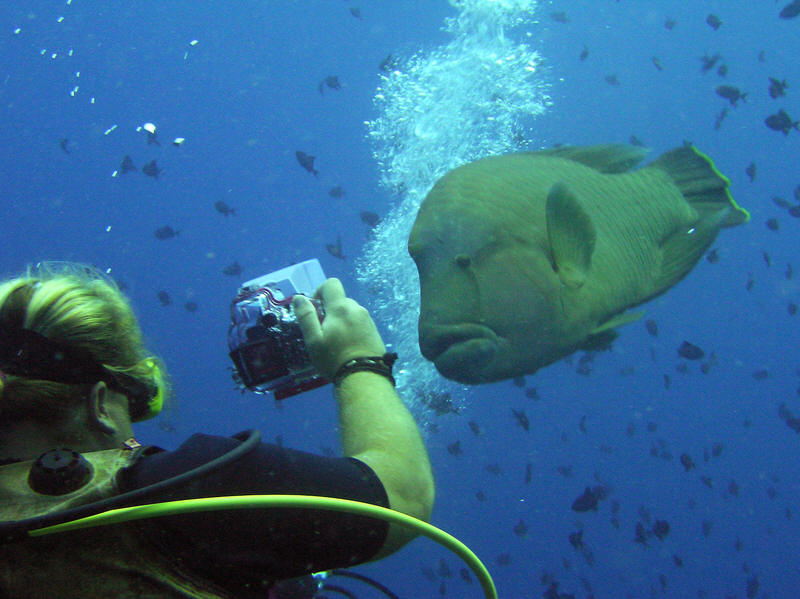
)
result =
(78, 306)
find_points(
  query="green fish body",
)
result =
(526, 258)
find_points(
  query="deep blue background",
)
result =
(246, 98)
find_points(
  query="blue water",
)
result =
(246, 97)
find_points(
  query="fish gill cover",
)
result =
(474, 96)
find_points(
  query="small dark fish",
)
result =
(455, 448)
(677, 560)
(789, 272)
(335, 249)
(733, 488)
(690, 351)
(791, 308)
(761, 375)
(521, 529)
(589, 499)
(532, 393)
(661, 529)
(584, 53)
(750, 171)
(777, 88)
(780, 202)
(164, 298)
(706, 527)
(519, 381)
(165, 232)
(687, 462)
(641, 534)
(370, 218)
(790, 11)
(126, 165)
(762, 57)
(528, 473)
(336, 191)
(223, 208)
(794, 211)
(64, 143)
(190, 306)
(494, 469)
(722, 71)
(720, 117)
(731, 93)
(772, 224)
(781, 121)
(576, 539)
(708, 62)
(444, 570)
(750, 282)
(559, 17)
(388, 64)
(713, 256)
(612, 80)
(503, 559)
(151, 169)
(635, 141)
(669, 24)
(657, 63)
(152, 138)
(767, 259)
(522, 419)
(474, 427)
(465, 575)
(652, 327)
(306, 161)
(331, 81)
(356, 12)
(232, 270)
(714, 21)
(565, 471)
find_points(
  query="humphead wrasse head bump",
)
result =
(525, 258)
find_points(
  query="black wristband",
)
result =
(378, 364)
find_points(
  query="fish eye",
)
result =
(463, 261)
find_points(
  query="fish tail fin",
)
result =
(706, 190)
(703, 186)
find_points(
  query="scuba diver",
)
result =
(75, 375)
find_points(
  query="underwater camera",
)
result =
(264, 338)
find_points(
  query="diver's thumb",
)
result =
(306, 316)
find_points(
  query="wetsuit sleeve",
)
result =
(267, 544)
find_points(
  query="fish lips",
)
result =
(460, 352)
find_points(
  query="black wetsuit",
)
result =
(242, 550)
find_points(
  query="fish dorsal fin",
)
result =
(571, 235)
(605, 158)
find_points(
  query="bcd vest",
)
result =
(104, 562)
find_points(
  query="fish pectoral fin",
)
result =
(617, 321)
(605, 158)
(571, 235)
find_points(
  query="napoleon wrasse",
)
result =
(526, 258)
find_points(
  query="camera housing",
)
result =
(265, 341)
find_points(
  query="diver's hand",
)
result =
(347, 331)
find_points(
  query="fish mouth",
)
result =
(460, 352)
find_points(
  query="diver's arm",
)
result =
(378, 429)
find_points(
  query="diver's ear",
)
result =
(98, 409)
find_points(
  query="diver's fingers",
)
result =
(331, 292)
(307, 318)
